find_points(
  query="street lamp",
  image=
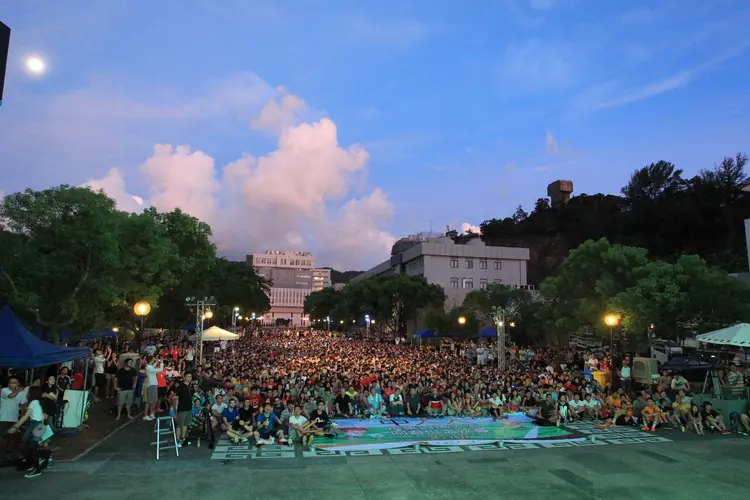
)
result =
(235, 315)
(209, 314)
(611, 320)
(141, 309)
(462, 322)
(328, 320)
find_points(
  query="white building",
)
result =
(291, 275)
(458, 268)
(321, 278)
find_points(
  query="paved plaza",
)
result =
(623, 463)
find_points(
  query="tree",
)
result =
(324, 304)
(579, 293)
(486, 302)
(659, 210)
(520, 215)
(62, 256)
(391, 300)
(682, 299)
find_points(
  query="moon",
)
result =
(35, 65)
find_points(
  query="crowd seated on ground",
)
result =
(287, 387)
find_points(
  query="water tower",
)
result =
(559, 191)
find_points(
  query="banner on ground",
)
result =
(369, 434)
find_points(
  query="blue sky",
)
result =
(465, 109)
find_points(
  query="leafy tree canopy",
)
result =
(391, 300)
(70, 261)
(659, 210)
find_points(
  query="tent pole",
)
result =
(85, 389)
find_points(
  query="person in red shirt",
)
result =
(161, 384)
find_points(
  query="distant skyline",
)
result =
(335, 127)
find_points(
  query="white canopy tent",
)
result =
(737, 336)
(214, 334)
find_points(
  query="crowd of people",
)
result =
(287, 386)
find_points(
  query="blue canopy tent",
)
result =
(487, 333)
(23, 349)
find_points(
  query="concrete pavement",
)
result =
(680, 466)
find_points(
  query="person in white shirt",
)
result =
(217, 411)
(9, 401)
(189, 358)
(396, 401)
(297, 424)
(34, 415)
(153, 367)
(99, 378)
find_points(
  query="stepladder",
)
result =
(166, 431)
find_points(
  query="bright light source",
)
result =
(35, 65)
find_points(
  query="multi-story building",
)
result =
(321, 278)
(458, 268)
(291, 275)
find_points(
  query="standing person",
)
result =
(35, 417)
(50, 394)
(189, 359)
(10, 397)
(110, 372)
(153, 367)
(100, 380)
(124, 386)
(184, 413)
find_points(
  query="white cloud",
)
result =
(470, 228)
(551, 144)
(284, 199)
(280, 113)
(114, 185)
(648, 91)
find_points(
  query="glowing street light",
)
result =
(141, 309)
(611, 320)
(462, 322)
(209, 314)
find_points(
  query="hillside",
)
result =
(658, 210)
(342, 276)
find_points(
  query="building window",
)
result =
(454, 263)
(483, 283)
(468, 283)
(482, 264)
(454, 282)
(469, 264)
(498, 282)
(498, 265)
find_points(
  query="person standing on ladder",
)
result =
(153, 366)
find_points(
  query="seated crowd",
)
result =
(287, 386)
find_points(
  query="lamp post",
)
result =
(235, 314)
(253, 318)
(611, 320)
(367, 323)
(141, 309)
(328, 321)
(498, 315)
(462, 322)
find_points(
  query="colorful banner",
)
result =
(368, 434)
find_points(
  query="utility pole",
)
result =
(498, 316)
(200, 306)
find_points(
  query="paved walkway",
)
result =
(626, 464)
